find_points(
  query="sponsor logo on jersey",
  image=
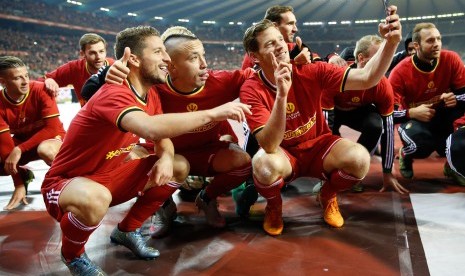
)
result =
(290, 134)
(118, 152)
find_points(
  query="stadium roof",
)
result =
(247, 11)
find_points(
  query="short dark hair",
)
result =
(8, 62)
(417, 29)
(134, 38)
(90, 39)
(250, 36)
(274, 13)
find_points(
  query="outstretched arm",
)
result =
(174, 124)
(375, 69)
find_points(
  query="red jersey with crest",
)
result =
(96, 143)
(221, 87)
(413, 87)
(380, 95)
(27, 120)
(305, 123)
(76, 73)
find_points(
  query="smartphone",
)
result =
(386, 5)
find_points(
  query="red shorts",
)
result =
(309, 162)
(200, 159)
(125, 182)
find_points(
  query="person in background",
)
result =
(407, 52)
(30, 128)
(369, 112)
(428, 89)
(93, 52)
(455, 153)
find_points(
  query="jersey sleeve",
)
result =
(384, 98)
(112, 105)
(396, 83)
(48, 105)
(261, 110)
(331, 77)
(459, 71)
(6, 142)
(62, 75)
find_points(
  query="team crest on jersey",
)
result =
(409, 125)
(290, 108)
(430, 84)
(355, 99)
(192, 107)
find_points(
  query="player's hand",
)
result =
(391, 30)
(391, 183)
(282, 75)
(18, 197)
(449, 99)
(338, 61)
(52, 87)
(119, 71)
(232, 110)
(304, 55)
(11, 162)
(137, 152)
(423, 113)
(161, 173)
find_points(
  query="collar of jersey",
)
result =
(138, 97)
(265, 81)
(423, 66)
(173, 89)
(13, 102)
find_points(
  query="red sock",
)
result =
(225, 182)
(17, 180)
(75, 236)
(338, 181)
(272, 192)
(146, 205)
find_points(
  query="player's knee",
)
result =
(95, 206)
(180, 169)
(266, 167)
(239, 158)
(356, 160)
(48, 152)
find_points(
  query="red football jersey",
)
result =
(96, 143)
(221, 87)
(27, 118)
(76, 73)
(304, 118)
(380, 95)
(413, 87)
